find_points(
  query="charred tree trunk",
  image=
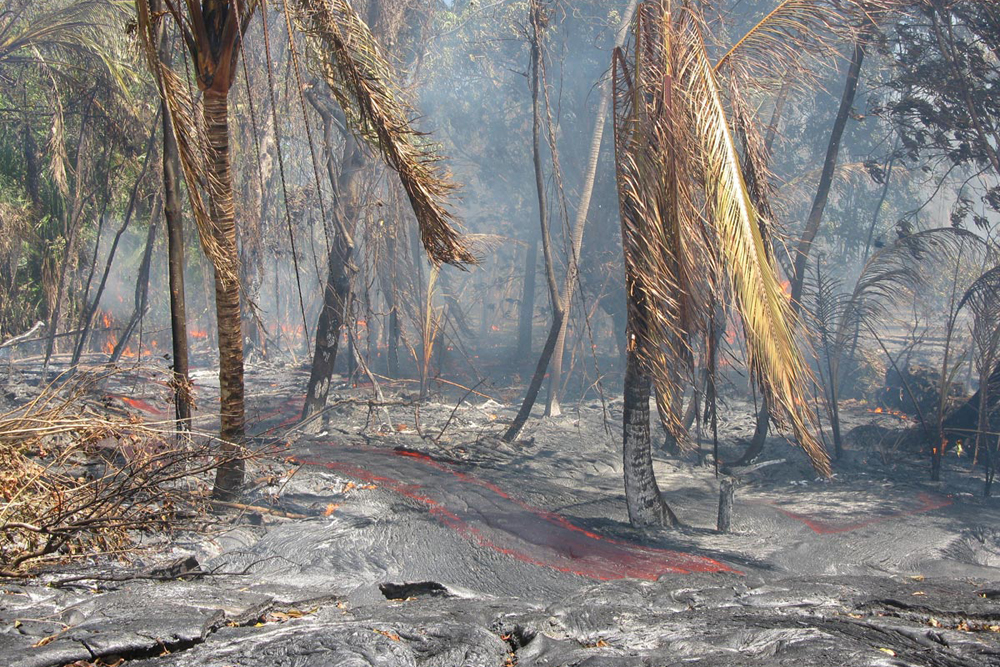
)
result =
(141, 293)
(727, 496)
(829, 167)
(337, 292)
(646, 506)
(175, 254)
(557, 332)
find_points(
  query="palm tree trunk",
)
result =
(229, 477)
(646, 506)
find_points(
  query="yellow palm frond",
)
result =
(768, 322)
(690, 227)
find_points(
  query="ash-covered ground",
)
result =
(409, 534)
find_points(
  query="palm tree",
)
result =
(693, 231)
(213, 33)
(361, 81)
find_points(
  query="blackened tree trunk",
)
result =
(646, 506)
(180, 381)
(337, 292)
(829, 167)
(557, 333)
(141, 293)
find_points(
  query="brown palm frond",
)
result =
(983, 298)
(794, 29)
(363, 82)
(69, 28)
(191, 145)
(690, 227)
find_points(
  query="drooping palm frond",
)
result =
(689, 224)
(768, 321)
(88, 30)
(796, 30)
(191, 145)
(362, 81)
(983, 299)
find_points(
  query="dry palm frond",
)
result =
(191, 144)
(88, 29)
(799, 30)
(363, 83)
(690, 227)
(983, 298)
(58, 163)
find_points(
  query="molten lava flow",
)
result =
(492, 519)
(927, 503)
(140, 405)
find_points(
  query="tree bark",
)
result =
(229, 476)
(337, 292)
(646, 506)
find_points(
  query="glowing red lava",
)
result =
(927, 503)
(531, 535)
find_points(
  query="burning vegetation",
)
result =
(519, 235)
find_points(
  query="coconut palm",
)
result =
(213, 33)
(695, 229)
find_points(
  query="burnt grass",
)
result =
(407, 533)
